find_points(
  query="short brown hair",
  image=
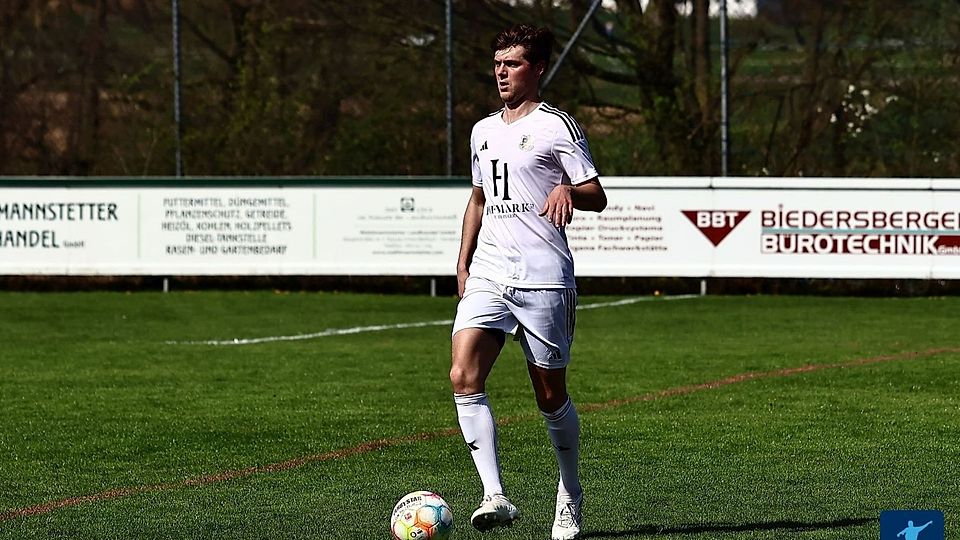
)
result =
(537, 42)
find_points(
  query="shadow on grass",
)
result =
(654, 530)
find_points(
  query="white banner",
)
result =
(694, 227)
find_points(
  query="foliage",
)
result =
(317, 87)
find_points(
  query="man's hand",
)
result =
(558, 209)
(462, 275)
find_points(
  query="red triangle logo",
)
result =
(715, 224)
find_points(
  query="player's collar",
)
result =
(515, 120)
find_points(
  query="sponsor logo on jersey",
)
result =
(509, 208)
(483, 146)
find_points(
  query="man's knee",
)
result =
(474, 352)
(550, 401)
(465, 380)
(550, 387)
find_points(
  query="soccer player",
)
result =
(531, 168)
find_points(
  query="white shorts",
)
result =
(542, 319)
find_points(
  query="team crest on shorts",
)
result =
(526, 142)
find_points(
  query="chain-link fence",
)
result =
(316, 87)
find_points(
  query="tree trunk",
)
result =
(701, 78)
(811, 80)
(84, 142)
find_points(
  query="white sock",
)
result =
(564, 428)
(480, 434)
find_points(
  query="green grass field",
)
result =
(109, 430)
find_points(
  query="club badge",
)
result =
(526, 143)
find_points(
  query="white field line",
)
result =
(399, 326)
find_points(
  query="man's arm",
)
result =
(472, 218)
(561, 202)
(589, 196)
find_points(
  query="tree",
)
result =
(819, 87)
(664, 69)
(836, 117)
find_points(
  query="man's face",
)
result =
(517, 79)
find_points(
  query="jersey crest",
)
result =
(526, 143)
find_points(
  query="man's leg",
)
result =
(474, 352)
(548, 318)
(563, 425)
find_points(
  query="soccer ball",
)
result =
(421, 515)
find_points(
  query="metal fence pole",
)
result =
(573, 39)
(175, 9)
(724, 93)
(449, 87)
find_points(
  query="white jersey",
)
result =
(518, 165)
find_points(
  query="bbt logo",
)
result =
(715, 224)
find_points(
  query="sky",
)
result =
(735, 8)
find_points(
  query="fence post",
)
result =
(724, 93)
(175, 9)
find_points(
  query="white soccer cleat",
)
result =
(568, 519)
(495, 511)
